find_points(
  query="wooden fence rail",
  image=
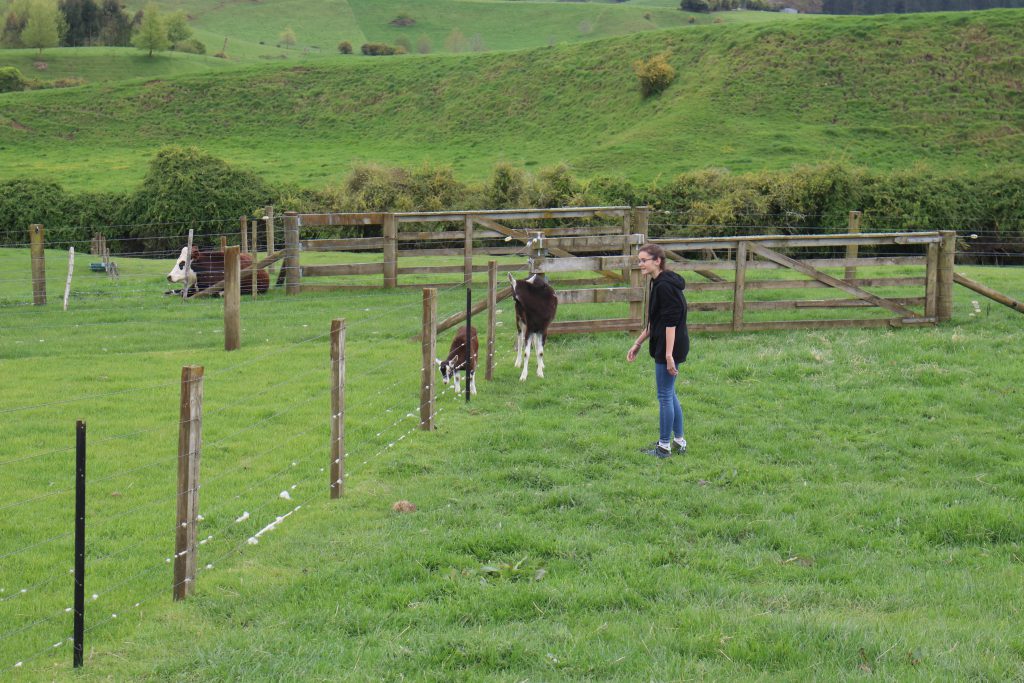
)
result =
(482, 234)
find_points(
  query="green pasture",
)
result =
(848, 506)
(498, 25)
(106, 64)
(936, 90)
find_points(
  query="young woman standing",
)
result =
(669, 345)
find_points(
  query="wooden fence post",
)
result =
(642, 226)
(223, 243)
(268, 216)
(232, 300)
(468, 253)
(255, 256)
(739, 286)
(643, 217)
(428, 335)
(627, 249)
(852, 227)
(292, 271)
(190, 440)
(492, 314)
(390, 230)
(37, 234)
(337, 468)
(944, 275)
(931, 278)
(245, 234)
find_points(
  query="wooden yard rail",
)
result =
(772, 252)
(481, 234)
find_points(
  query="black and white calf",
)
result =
(460, 360)
(536, 304)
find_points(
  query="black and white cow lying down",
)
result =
(461, 359)
(207, 269)
(536, 304)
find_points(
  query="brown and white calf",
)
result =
(206, 268)
(536, 304)
(460, 358)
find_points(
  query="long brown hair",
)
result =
(656, 252)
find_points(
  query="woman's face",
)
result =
(648, 265)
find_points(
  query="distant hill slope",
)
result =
(907, 6)
(885, 92)
(249, 32)
(436, 24)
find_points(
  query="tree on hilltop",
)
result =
(43, 27)
(152, 33)
(83, 21)
(455, 41)
(178, 28)
(288, 37)
(116, 25)
(14, 24)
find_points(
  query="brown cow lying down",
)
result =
(207, 269)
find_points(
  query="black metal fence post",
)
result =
(79, 626)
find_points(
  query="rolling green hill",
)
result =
(883, 92)
(249, 32)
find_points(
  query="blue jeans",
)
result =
(670, 413)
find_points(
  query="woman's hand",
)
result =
(670, 365)
(631, 354)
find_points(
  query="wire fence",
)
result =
(265, 446)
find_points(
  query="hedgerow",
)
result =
(186, 188)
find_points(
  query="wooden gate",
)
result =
(910, 286)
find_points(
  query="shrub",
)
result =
(402, 20)
(556, 186)
(655, 74)
(377, 49)
(423, 45)
(11, 79)
(192, 46)
(508, 187)
(403, 43)
(345, 47)
(613, 190)
(184, 184)
(434, 188)
(24, 202)
(371, 187)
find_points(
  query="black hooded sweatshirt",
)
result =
(666, 307)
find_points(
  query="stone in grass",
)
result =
(403, 506)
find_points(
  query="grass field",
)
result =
(938, 90)
(848, 505)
